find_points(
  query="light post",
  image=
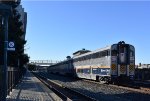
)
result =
(5, 12)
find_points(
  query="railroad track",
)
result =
(65, 93)
(135, 88)
(138, 87)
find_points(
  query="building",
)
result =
(142, 66)
(23, 18)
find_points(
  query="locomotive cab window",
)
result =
(114, 52)
(131, 53)
(123, 54)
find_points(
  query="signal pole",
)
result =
(5, 54)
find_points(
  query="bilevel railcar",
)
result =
(111, 64)
(63, 68)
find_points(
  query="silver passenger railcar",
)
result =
(63, 68)
(111, 64)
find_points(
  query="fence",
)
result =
(14, 76)
(142, 74)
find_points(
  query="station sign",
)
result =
(11, 46)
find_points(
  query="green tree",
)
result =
(15, 34)
(31, 67)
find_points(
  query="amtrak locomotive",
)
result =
(111, 64)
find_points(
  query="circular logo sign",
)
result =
(11, 44)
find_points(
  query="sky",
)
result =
(58, 28)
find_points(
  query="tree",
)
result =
(31, 67)
(15, 34)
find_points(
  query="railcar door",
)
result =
(123, 60)
(121, 63)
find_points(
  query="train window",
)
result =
(79, 59)
(104, 53)
(81, 70)
(88, 57)
(114, 53)
(76, 60)
(84, 58)
(92, 56)
(86, 71)
(131, 53)
(95, 70)
(100, 54)
(95, 55)
(108, 52)
(78, 70)
(121, 49)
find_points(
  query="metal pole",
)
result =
(5, 11)
(5, 55)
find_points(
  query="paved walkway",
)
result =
(31, 89)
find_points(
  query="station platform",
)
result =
(32, 89)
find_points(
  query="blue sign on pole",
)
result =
(11, 46)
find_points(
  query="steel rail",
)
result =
(65, 93)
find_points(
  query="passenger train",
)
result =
(110, 64)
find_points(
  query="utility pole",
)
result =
(5, 54)
(5, 12)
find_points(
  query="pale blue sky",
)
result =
(56, 29)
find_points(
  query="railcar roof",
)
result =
(95, 51)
